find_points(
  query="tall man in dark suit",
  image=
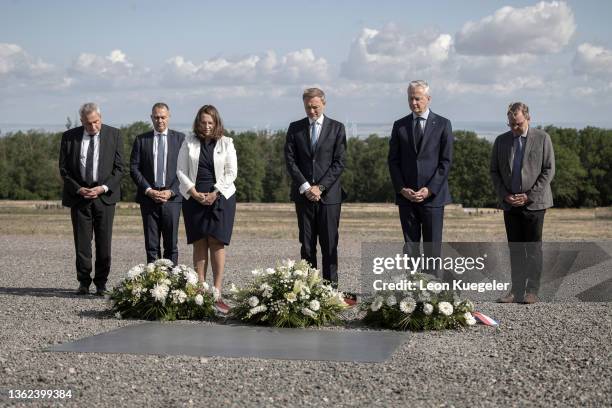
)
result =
(522, 167)
(91, 166)
(315, 156)
(420, 154)
(153, 169)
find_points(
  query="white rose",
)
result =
(199, 299)
(314, 305)
(376, 304)
(428, 308)
(391, 301)
(150, 267)
(307, 312)
(253, 301)
(291, 297)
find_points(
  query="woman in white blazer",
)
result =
(206, 169)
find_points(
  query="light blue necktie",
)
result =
(516, 165)
(161, 152)
(313, 136)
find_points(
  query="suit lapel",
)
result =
(410, 128)
(325, 129)
(172, 149)
(77, 149)
(306, 137)
(430, 125)
(528, 144)
(509, 150)
(103, 148)
(148, 146)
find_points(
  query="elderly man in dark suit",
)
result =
(153, 169)
(315, 155)
(91, 166)
(522, 167)
(420, 155)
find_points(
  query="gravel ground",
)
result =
(547, 354)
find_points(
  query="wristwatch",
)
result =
(322, 188)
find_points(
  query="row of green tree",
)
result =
(29, 167)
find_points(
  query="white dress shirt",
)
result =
(155, 139)
(318, 124)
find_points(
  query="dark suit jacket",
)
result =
(537, 171)
(110, 165)
(324, 167)
(429, 167)
(142, 167)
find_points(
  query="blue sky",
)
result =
(252, 59)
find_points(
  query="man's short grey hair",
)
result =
(160, 105)
(88, 108)
(419, 83)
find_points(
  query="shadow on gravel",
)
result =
(97, 314)
(41, 292)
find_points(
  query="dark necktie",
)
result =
(516, 165)
(419, 133)
(89, 179)
(161, 152)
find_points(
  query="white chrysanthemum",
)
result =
(424, 296)
(428, 308)
(178, 296)
(314, 305)
(300, 273)
(159, 292)
(205, 286)
(445, 308)
(256, 309)
(469, 319)
(176, 271)
(191, 277)
(135, 272)
(407, 305)
(291, 297)
(289, 263)
(256, 272)
(391, 301)
(118, 315)
(377, 304)
(215, 292)
(198, 299)
(270, 271)
(253, 301)
(164, 262)
(307, 312)
(150, 267)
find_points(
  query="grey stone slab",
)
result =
(241, 341)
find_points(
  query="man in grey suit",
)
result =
(522, 167)
(153, 169)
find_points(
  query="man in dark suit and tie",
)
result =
(315, 156)
(153, 169)
(91, 166)
(522, 167)
(420, 154)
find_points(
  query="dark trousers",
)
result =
(161, 221)
(524, 232)
(320, 221)
(92, 218)
(427, 222)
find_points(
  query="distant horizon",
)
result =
(485, 129)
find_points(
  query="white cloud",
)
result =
(294, 67)
(388, 55)
(593, 61)
(544, 28)
(114, 70)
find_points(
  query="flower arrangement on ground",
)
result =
(162, 291)
(291, 295)
(418, 309)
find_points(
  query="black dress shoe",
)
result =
(82, 290)
(100, 291)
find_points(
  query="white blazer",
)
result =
(225, 162)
